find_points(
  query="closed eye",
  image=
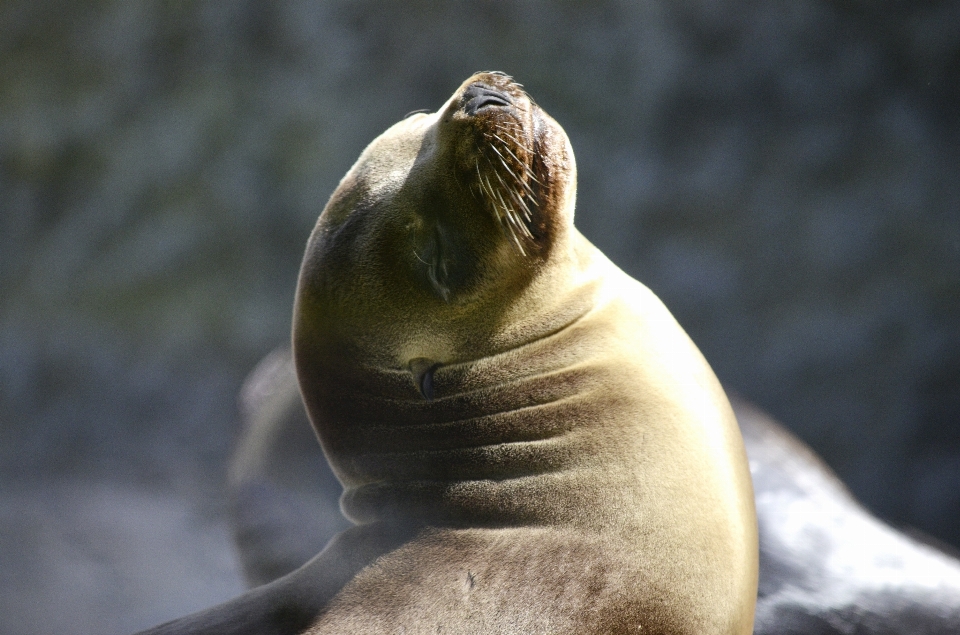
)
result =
(415, 112)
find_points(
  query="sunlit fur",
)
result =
(527, 440)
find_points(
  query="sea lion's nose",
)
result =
(480, 96)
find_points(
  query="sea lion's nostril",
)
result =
(477, 97)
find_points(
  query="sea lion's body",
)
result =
(562, 454)
(589, 480)
(528, 441)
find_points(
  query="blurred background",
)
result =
(784, 174)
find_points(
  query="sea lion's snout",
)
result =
(479, 96)
(490, 126)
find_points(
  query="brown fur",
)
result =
(527, 439)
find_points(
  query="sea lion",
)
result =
(528, 441)
(827, 566)
(284, 500)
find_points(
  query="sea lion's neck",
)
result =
(478, 444)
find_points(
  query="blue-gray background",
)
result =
(784, 174)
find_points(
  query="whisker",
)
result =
(514, 198)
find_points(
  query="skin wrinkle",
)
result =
(501, 460)
(546, 339)
(559, 381)
(478, 426)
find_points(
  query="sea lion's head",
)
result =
(443, 218)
